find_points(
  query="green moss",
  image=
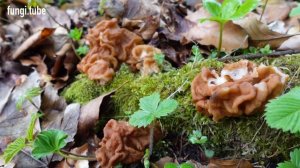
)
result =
(247, 137)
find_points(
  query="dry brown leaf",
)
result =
(292, 43)
(13, 123)
(260, 34)
(272, 10)
(162, 161)
(32, 41)
(218, 163)
(207, 33)
(90, 115)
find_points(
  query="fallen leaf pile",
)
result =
(242, 88)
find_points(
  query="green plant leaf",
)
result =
(266, 49)
(29, 134)
(48, 142)
(287, 164)
(295, 11)
(213, 7)
(82, 50)
(29, 95)
(246, 7)
(166, 107)
(13, 149)
(284, 112)
(229, 8)
(150, 103)
(75, 34)
(150, 109)
(141, 119)
(159, 58)
(186, 165)
(295, 157)
(170, 165)
(209, 153)
(197, 138)
(294, 162)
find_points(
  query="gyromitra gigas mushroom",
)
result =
(143, 59)
(110, 45)
(242, 88)
(123, 143)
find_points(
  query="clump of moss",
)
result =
(247, 137)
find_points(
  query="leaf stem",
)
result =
(73, 156)
(221, 24)
(151, 138)
(264, 8)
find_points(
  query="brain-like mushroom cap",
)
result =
(143, 59)
(242, 88)
(123, 143)
(108, 42)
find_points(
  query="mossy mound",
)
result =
(247, 137)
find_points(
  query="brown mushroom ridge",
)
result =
(110, 46)
(143, 59)
(123, 143)
(242, 88)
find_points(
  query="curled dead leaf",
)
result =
(260, 34)
(90, 113)
(32, 41)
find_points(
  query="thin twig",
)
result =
(264, 8)
(255, 56)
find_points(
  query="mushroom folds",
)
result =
(123, 143)
(242, 88)
(110, 46)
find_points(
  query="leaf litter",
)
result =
(37, 51)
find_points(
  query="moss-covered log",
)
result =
(247, 137)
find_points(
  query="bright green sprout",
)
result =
(228, 10)
(75, 34)
(82, 50)
(196, 54)
(152, 108)
(159, 58)
(174, 165)
(29, 95)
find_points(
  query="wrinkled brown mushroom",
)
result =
(123, 143)
(143, 59)
(108, 43)
(242, 88)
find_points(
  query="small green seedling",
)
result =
(294, 162)
(45, 143)
(266, 49)
(29, 95)
(228, 10)
(101, 7)
(159, 58)
(35, 3)
(197, 138)
(196, 54)
(82, 50)
(174, 165)
(152, 108)
(75, 34)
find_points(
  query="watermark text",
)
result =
(25, 11)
